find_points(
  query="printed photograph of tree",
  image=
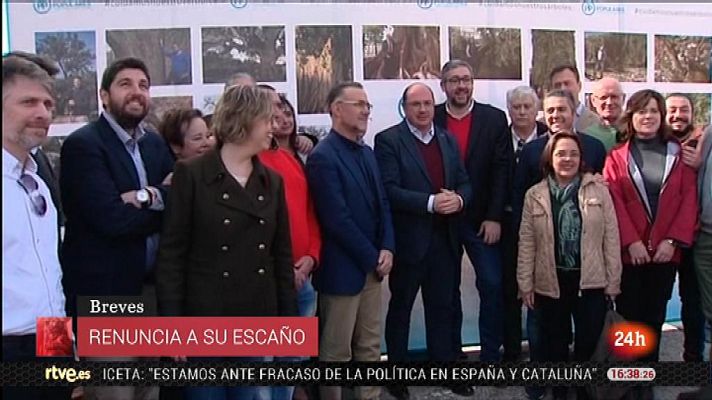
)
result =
(623, 56)
(76, 83)
(256, 50)
(166, 52)
(324, 58)
(550, 49)
(494, 53)
(683, 59)
(401, 52)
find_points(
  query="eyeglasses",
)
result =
(460, 79)
(30, 185)
(360, 104)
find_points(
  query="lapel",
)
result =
(409, 142)
(229, 193)
(445, 154)
(347, 158)
(117, 149)
(476, 125)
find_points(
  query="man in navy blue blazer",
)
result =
(559, 115)
(113, 191)
(428, 188)
(357, 236)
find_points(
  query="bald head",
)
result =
(419, 105)
(607, 100)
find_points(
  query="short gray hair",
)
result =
(234, 78)
(452, 64)
(522, 91)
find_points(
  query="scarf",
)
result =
(567, 223)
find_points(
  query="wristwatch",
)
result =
(143, 197)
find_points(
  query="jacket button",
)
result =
(261, 246)
(224, 247)
(262, 222)
(261, 271)
(226, 221)
(226, 274)
(260, 197)
(225, 196)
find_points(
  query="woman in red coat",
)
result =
(655, 197)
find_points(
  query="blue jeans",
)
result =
(487, 262)
(306, 303)
(229, 392)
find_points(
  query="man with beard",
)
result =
(32, 277)
(679, 117)
(481, 134)
(112, 184)
(607, 100)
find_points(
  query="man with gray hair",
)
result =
(607, 100)
(32, 277)
(240, 78)
(522, 105)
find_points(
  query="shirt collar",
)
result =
(424, 137)
(469, 110)
(348, 142)
(580, 109)
(12, 167)
(121, 132)
(531, 136)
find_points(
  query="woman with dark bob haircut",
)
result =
(186, 132)
(569, 253)
(655, 195)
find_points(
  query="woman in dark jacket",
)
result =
(225, 248)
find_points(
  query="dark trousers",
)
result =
(487, 262)
(645, 291)
(22, 348)
(512, 334)
(693, 320)
(434, 275)
(588, 309)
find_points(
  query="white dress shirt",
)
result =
(515, 137)
(31, 275)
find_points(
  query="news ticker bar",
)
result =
(200, 372)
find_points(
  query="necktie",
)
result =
(518, 151)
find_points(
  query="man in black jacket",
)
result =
(480, 131)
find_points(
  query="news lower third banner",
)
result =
(199, 372)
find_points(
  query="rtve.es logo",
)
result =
(66, 374)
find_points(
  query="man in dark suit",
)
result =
(481, 133)
(427, 187)
(357, 236)
(522, 105)
(113, 195)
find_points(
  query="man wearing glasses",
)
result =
(481, 133)
(32, 277)
(357, 236)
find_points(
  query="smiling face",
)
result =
(607, 99)
(566, 159)
(196, 139)
(679, 115)
(458, 85)
(558, 114)
(128, 98)
(646, 121)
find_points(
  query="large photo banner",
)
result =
(302, 49)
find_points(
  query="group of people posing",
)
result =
(235, 214)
